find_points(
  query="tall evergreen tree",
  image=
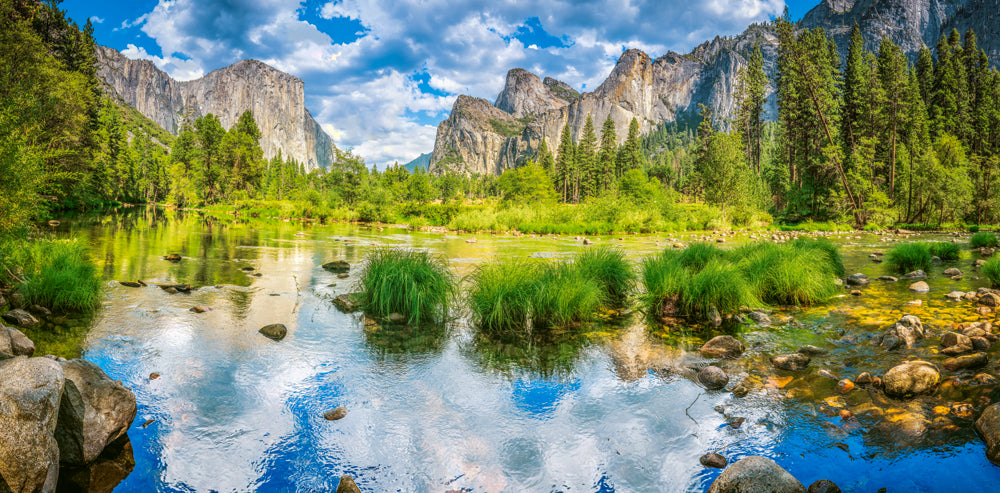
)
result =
(566, 165)
(587, 178)
(606, 155)
(751, 90)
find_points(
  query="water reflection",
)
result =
(399, 339)
(547, 354)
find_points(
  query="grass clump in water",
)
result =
(719, 284)
(58, 275)
(944, 250)
(908, 257)
(609, 269)
(992, 270)
(833, 258)
(564, 294)
(795, 274)
(983, 239)
(413, 283)
(501, 295)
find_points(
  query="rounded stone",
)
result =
(713, 460)
(722, 347)
(756, 473)
(713, 377)
(274, 331)
(911, 378)
(335, 414)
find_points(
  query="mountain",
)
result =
(276, 99)
(483, 137)
(422, 161)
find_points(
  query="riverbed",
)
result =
(610, 406)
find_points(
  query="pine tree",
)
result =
(566, 165)
(630, 153)
(545, 159)
(751, 90)
(587, 178)
(925, 74)
(855, 82)
(606, 156)
(892, 69)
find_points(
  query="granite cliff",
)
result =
(276, 99)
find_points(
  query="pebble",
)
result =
(714, 460)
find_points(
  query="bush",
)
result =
(944, 250)
(55, 274)
(413, 283)
(908, 257)
(501, 294)
(984, 239)
(610, 270)
(992, 270)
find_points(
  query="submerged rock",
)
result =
(30, 391)
(722, 347)
(20, 318)
(975, 360)
(713, 377)
(759, 317)
(920, 287)
(907, 331)
(335, 414)
(714, 460)
(911, 378)
(396, 318)
(790, 362)
(988, 427)
(810, 350)
(887, 279)
(130, 284)
(95, 411)
(823, 486)
(173, 257)
(347, 485)
(953, 343)
(917, 274)
(713, 316)
(756, 474)
(952, 272)
(348, 303)
(857, 279)
(274, 331)
(337, 266)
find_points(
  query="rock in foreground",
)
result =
(95, 411)
(30, 390)
(756, 474)
(347, 485)
(274, 331)
(911, 378)
(988, 427)
(20, 318)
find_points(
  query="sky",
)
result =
(381, 74)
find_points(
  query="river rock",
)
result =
(988, 427)
(907, 331)
(20, 318)
(130, 284)
(955, 295)
(713, 316)
(347, 485)
(823, 486)
(952, 272)
(722, 347)
(756, 474)
(20, 345)
(887, 279)
(274, 331)
(917, 274)
(980, 343)
(30, 391)
(337, 266)
(989, 299)
(953, 343)
(810, 350)
(173, 257)
(920, 287)
(790, 362)
(857, 279)
(39, 311)
(759, 317)
(348, 302)
(102, 475)
(714, 460)
(975, 360)
(713, 377)
(95, 412)
(335, 414)
(396, 318)
(911, 378)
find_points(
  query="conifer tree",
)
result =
(587, 178)
(606, 156)
(566, 165)
(751, 89)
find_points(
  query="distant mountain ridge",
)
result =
(276, 99)
(483, 137)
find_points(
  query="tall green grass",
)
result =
(58, 275)
(908, 257)
(501, 294)
(991, 269)
(563, 295)
(944, 250)
(720, 284)
(984, 239)
(664, 278)
(799, 273)
(611, 270)
(413, 283)
(833, 258)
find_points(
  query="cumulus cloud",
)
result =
(96, 20)
(383, 88)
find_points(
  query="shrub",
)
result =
(944, 250)
(983, 239)
(413, 283)
(992, 270)
(610, 270)
(501, 294)
(57, 274)
(908, 257)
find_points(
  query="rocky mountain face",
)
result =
(276, 99)
(480, 137)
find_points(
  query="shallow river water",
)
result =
(608, 407)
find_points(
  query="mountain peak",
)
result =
(525, 94)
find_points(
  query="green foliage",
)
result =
(697, 255)
(507, 128)
(501, 294)
(55, 274)
(413, 283)
(908, 257)
(563, 295)
(664, 279)
(720, 284)
(944, 250)
(985, 239)
(609, 268)
(529, 183)
(792, 274)
(991, 269)
(834, 260)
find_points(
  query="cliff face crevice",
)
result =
(276, 99)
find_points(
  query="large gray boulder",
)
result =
(30, 391)
(911, 378)
(756, 475)
(905, 332)
(95, 411)
(20, 318)
(14, 342)
(988, 427)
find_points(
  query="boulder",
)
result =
(95, 412)
(790, 362)
(953, 343)
(30, 390)
(974, 360)
(348, 302)
(756, 474)
(955, 295)
(989, 299)
(20, 318)
(810, 350)
(713, 377)
(980, 343)
(39, 311)
(722, 347)
(887, 279)
(823, 486)
(988, 427)
(907, 331)
(337, 266)
(102, 475)
(857, 279)
(911, 378)
(347, 485)
(338, 413)
(274, 331)
(759, 317)
(920, 287)
(20, 345)
(713, 316)
(952, 272)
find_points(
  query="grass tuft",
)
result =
(984, 239)
(992, 270)
(56, 274)
(834, 260)
(564, 294)
(719, 284)
(501, 295)
(908, 257)
(796, 274)
(944, 250)
(698, 255)
(610, 270)
(413, 283)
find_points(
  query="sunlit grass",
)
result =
(908, 257)
(991, 269)
(944, 250)
(611, 270)
(501, 293)
(983, 239)
(58, 275)
(413, 283)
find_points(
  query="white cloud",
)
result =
(176, 67)
(96, 20)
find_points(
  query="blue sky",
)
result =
(381, 74)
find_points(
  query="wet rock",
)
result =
(39, 311)
(200, 309)
(907, 331)
(917, 274)
(104, 474)
(95, 411)
(171, 290)
(343, 276)
(274, 331)
(790, 362)
(991, 300)
(17, 300)
(980, 343)
(759, 317)
(735, 423)
(713, 460)
(910, 378)
(756, 474)
(20, 318)
(845, 385)
(20, 345)
(722, 347)
(337, 266)
(348, 303)
(887, 279)
(975, 360)
(823, 486)
(920, 287)
(810, 350)
(130, 284)
(866, 378)
(347, 485)
(984, 379)
(953, 343)
(988, 427)
(713, 377)
(154, 376)
(857, 279)
(955, 295)
(30, 391)
(952, 272)
(173, 257)
(586, 241)
(978, 263)
(396, 318)
(335, 414)
(713, 316)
